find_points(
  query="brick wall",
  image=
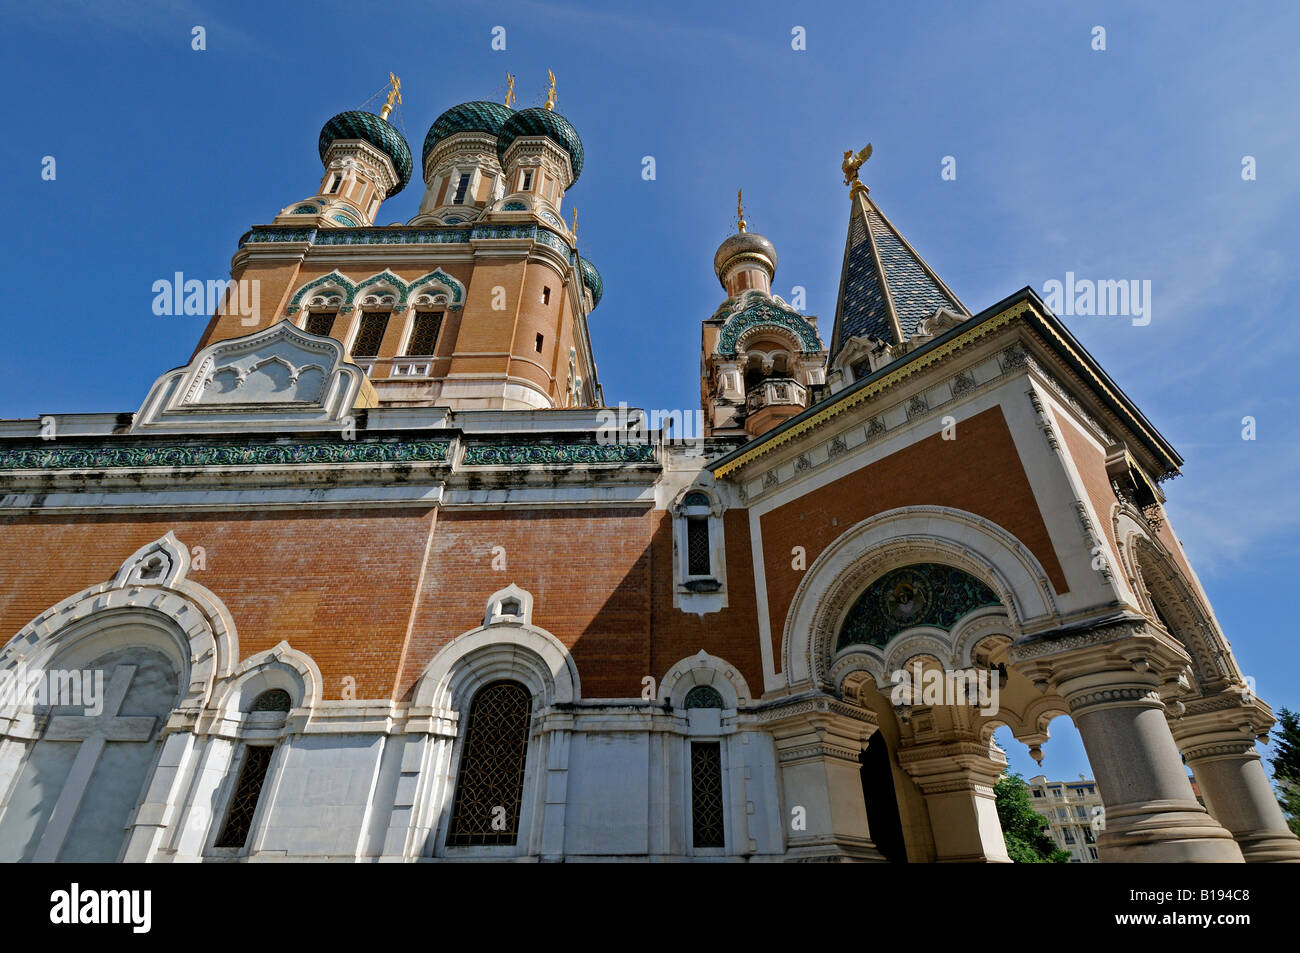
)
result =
(336, 584)
(979, 472)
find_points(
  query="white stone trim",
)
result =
(895, 538)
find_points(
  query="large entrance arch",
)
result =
(929, 586)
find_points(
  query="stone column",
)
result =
(1110, 676)
(818, 740)
(1217, 736)
(957, 777)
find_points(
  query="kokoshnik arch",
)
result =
(363, 583)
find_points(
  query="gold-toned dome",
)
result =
(748, 244)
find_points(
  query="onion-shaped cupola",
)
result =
(356, 125)
(478, 116)
(745, 260)
(540, 122)
(366, 160)
(591, 279)
(460, 161)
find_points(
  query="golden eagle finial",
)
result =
(394, 95)
(852, 163)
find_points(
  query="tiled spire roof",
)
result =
(886, 289)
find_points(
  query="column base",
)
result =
(1269, 847)
(834, 852)
(1177, 832)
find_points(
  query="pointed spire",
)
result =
(886, 288)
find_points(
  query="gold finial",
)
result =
(510, 90)
(740, 211)
(550, 93)
(394, 95)
(575, 223)
(852, 163)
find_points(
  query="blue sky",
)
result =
(1118, 164)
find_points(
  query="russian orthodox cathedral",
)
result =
(365, 578)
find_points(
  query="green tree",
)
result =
(1024, 829)
(1286, 766)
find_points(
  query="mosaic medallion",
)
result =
(928, 594)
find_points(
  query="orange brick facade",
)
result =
(342, 587)
(979, 472)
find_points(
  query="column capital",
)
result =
(818, 726)
(963, 764)
(1118, 661)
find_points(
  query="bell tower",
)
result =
(761, 361)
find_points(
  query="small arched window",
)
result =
(704, 696)
(275, 699)
(490, 780)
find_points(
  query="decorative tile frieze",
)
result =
(225, 455)
(495, 454)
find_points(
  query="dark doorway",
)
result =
(882, 803)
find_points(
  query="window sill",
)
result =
(700, 585)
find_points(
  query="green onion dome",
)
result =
(591, 278)
(542, 122)
(478, 116)
(380, 133)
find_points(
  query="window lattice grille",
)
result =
(490, 782)
(706, 795)
(239, 819)
(697, 547)
(320, 324)
(275, 699)
(370, 334)
(704, 696)
(424, 336)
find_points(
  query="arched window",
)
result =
(256, 763)
(490, 781)
(276, 699)
(704, 696)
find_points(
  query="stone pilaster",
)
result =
(818, 741)
(1217, 737)
(957, 777)
(1110, 676)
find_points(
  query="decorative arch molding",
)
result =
(704, 669)
(515, 649)
(282, 667)
(756, 332)
(890, 540)
(150, 590)
(436, 281)
(1153, 571)
(385, 279)
(333, 280)
(769, 317)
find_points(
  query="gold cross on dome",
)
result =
(740, 210)
(394, 95)
(550, 93)
(510, 90)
